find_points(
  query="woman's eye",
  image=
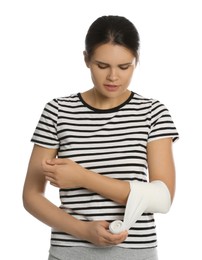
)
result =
(102, 66)
(105, 66)
(125, 67)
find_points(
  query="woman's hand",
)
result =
(63, 173)
(97, 233)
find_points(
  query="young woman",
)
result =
(93, 145)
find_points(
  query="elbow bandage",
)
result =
(144, 197)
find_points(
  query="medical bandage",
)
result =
(144, 197)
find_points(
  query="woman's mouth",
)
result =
(110, 87)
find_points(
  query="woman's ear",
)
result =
(86, 59)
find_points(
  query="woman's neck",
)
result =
(95, 99)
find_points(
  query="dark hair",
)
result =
(114, 29)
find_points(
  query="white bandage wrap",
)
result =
(117, 227)
(148, 197)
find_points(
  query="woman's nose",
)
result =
(112, 75)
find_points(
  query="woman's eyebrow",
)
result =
(101, 62)
(122, 64)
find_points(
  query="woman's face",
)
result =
(111, 67)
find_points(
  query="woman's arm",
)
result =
(34, 189)
(40, 207)
(161, 163)
(65, 173)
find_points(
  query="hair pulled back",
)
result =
(112, 29)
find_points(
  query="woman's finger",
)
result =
(113, 239)
(50, 179)
(49, 175)
(57, 161)
(48, 167)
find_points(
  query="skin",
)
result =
(111, 68)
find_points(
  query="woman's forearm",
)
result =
(45, 211)
(95, 232)
(65, 173)
(107, 187)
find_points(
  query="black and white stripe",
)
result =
(110, 142)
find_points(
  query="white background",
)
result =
(41, 45)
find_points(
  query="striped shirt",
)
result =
(110, 142)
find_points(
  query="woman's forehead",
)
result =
(110, 52)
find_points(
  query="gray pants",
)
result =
(111, 253)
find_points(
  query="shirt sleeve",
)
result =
(45, 133)
(162, 125)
